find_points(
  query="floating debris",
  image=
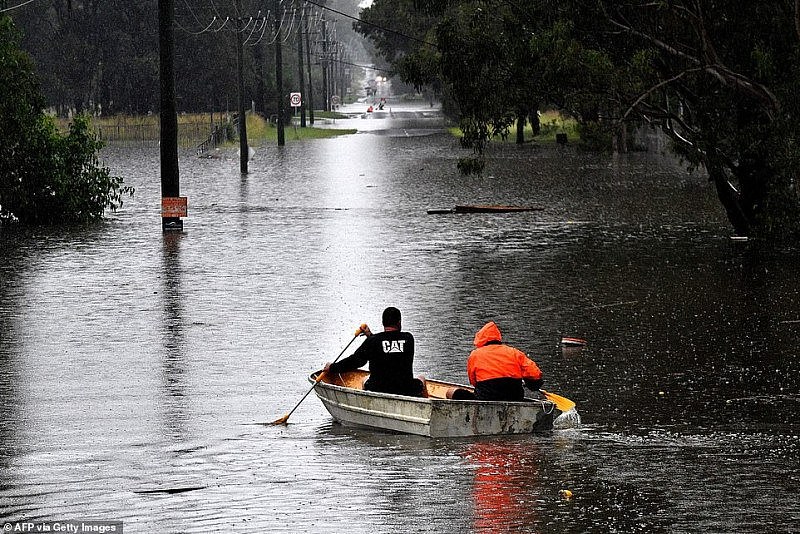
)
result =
(170, 491)
(482, 208)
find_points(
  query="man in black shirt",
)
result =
(391, 358)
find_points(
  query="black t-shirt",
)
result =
(391, 361)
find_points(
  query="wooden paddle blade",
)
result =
(281, 421)
(562, 403)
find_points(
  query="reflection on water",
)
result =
(174, 371)
(134, 364)
(505, 486)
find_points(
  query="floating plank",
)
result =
(573, 341)
(483, 208)
(169, 491)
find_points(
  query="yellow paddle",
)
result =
(282, 421)
(562, 403)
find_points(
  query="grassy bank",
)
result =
(260, 131)
(551, 122)
(194, 128)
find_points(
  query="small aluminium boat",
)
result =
(435, 416)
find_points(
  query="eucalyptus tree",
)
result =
(45, 176)
(402, 34)
(721, 78)
(94, 53)
(488, 58)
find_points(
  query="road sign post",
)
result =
(295, 100)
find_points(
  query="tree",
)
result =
(45, 176)
(720, 78)
(489, 59)
(402, 33)
(104, 58)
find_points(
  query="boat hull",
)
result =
(435, 416)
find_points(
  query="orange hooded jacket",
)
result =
(495, 360)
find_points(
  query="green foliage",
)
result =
(45, 177)
(595, 136)
(716, 86)
(719, 78)
(497, 61)
(471, 165)
(553, 122)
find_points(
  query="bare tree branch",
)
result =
(712, 65)
(657, 87)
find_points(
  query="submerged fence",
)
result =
(220, 133)
(132, 132)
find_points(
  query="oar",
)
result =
(562, 403)
(282, 420)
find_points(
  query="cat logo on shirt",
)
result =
(393, 346)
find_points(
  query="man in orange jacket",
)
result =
(497, 370)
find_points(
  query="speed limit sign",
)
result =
(294, 99)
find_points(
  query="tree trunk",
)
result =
(521, 114)
(730, 199)
(536, 124)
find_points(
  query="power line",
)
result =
(370, 67)
(422, 41)
(343, 62)
(17, 6)
(218, 18)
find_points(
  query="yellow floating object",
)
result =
(565, 493)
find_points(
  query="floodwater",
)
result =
(134, 365)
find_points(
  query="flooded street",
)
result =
(134, 365)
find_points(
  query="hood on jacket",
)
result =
(488, 333)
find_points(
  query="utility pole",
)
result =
(172, 207)
(346, 76)
(279, 73)
(334, 68)
(340, 67)
(325, 96)
(303, 93)
(244, 151)
(310, 81)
